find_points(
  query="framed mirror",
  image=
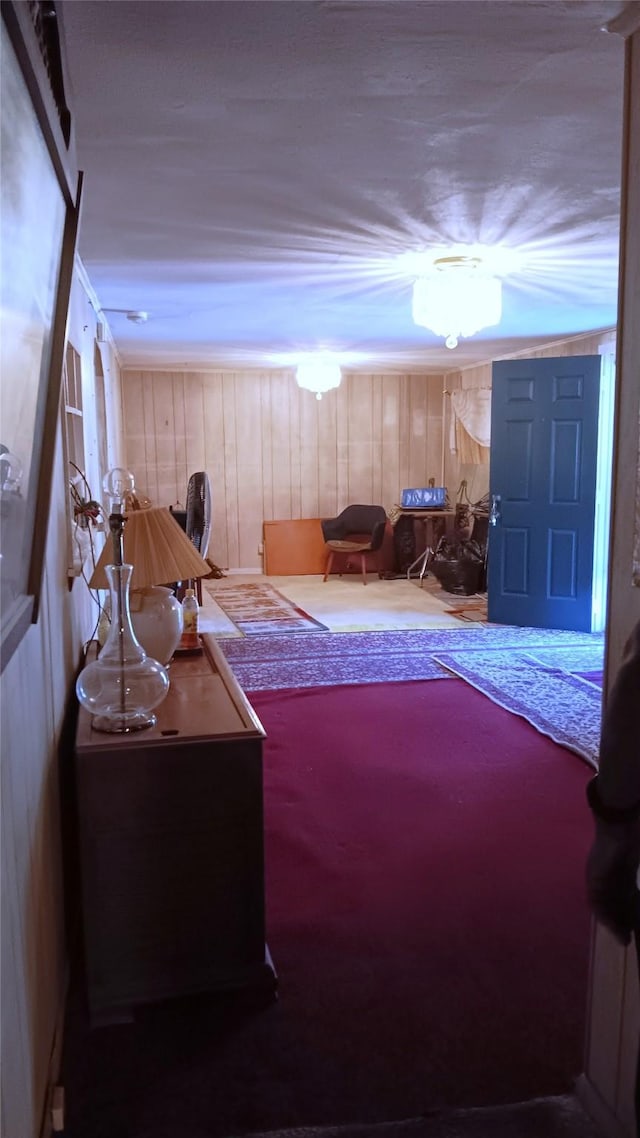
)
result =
(40, 199)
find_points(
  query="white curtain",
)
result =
(472, 407)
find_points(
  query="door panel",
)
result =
(544, 434)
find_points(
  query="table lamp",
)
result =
(123, 685)
(160, 553)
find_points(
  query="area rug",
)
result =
(470, 609)
(271, 663)
(259, 610)
(428, 924)
(544, 688)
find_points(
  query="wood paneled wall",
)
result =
(274, 452)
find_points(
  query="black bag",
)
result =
(458, 566)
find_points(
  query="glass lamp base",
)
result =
(123, 724)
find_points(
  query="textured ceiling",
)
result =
(260, 176)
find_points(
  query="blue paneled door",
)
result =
(544, 438)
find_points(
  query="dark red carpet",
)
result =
(426, 916)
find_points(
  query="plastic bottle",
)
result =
(190, 611)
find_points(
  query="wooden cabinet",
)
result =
(171, 845)
(294, 547)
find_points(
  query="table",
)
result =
(171, 846)
(428, 519)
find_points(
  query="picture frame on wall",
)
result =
(40, 202)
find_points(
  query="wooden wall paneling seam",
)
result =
(309, 429)
(181, 419)
(359, 426)
(163, 389)
(266, 404)
(418, 432)
(151, 448)
(404, 420)
(231, 465)
(188, 448)
(295, 446)
(317, 477)
(327, 458)
(209, 392)
(249, 416)
(388, 452)
(249, 445)
(434, 428)
(378, 493)
(133, 424)
(214, 442)
(279, 431)
(342, 449)
(143, 454)
(196, 424)
(373, 451)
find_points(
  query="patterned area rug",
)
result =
(473, 610)
(532, 672)
(274, 662)
(259, 610)
(544, 687)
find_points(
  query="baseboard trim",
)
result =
(597, 1109)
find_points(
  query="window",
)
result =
(73, 443)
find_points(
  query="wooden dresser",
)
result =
(171, 846)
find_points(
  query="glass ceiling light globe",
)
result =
(458, 299)
(318, 374)
(116, 484)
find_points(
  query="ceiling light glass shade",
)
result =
(458, 299)
(123, 685)
(318, 374)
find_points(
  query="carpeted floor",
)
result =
(426, 916)
(554, 699)
(547, 676)
(560, 1116)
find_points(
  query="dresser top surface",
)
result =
(204, 702)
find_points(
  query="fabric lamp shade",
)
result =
(158, 549)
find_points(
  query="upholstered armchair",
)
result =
(358, 533)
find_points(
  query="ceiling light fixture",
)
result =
(458, 299)
(319, 374)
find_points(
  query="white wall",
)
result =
(614, 1005)
(34, 689)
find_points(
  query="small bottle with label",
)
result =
(190, 611)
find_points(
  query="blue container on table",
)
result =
(424, 498)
